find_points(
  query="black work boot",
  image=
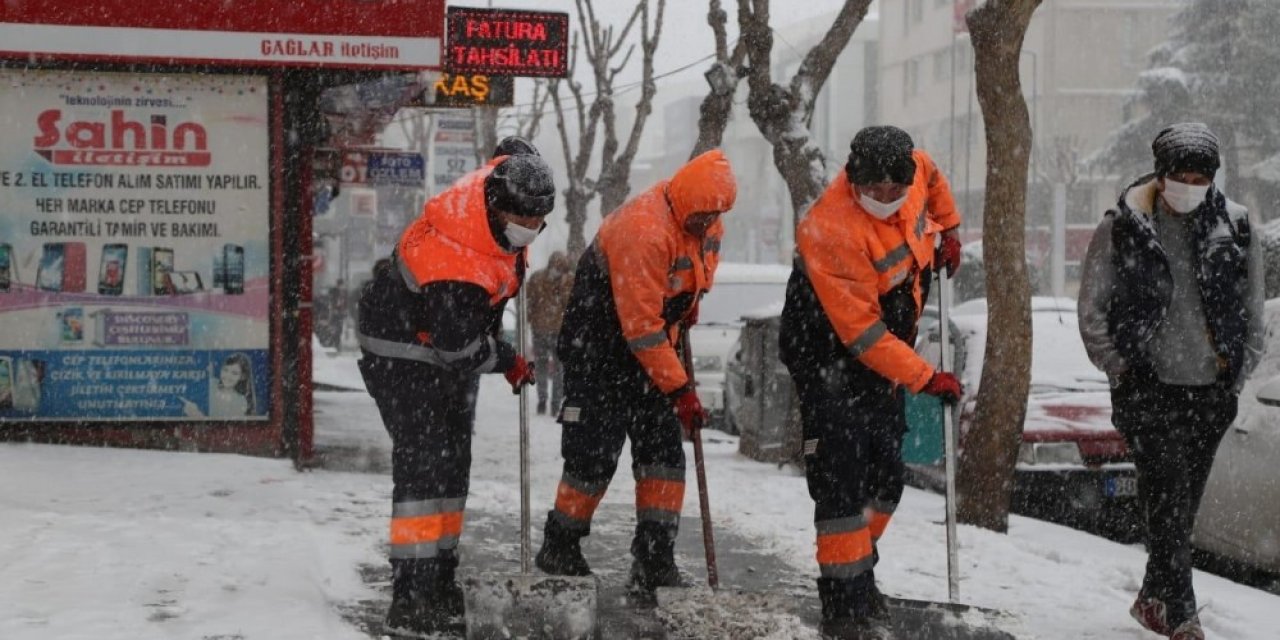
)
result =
(847, 610)
(654, 564)
(542, 407)
(561, 552)
(418, 609)
(877, 603)
(451, 597)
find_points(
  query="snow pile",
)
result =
(731, 615)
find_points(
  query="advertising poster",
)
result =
(453, 149)
(134, 247)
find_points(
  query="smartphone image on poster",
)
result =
(162, 271)
(6, 266)
(233, 265)
(186, 282)
(143, 272)
(52, 263)
(74, 267)
(111, 270)
(6, 382)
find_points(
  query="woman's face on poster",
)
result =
(230, 376)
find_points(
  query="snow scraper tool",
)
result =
(525, 605)
(700, 469)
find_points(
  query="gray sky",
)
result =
(685, 34)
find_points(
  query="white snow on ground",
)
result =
(116, 544)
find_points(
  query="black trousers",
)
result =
(594, 431)
(1173, 433)
(853, 423)
(428, 412)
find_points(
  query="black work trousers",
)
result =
(428, 412)
(1173, 432)
(595, 430)
(853, 422)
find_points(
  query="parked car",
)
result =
(738, 288)
(1073, 466)
(1239, 518)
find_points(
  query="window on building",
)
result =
(938, 4)
(917, 10)
(910, 79)
(962, 51)
(941, 65)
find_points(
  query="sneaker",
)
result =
(1189, 630)
(1150, 613)
(854, 629)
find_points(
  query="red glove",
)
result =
(520, 374)
(690, 412)
(945, 386)
(948, 255)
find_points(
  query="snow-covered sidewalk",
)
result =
(117, 544)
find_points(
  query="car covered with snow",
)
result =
(1239, 517)
(1073, 466)
(738, 288)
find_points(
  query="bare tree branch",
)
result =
(783, 114)
(726, 72)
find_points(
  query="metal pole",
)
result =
(951, 130)
(526, 565)
(949, 440)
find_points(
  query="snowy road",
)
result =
(131, 545)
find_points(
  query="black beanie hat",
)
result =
(521, 185)
(515, 146)
(1187, 146)
(881, 154)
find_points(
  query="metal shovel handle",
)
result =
(526, 563)
(949, 440)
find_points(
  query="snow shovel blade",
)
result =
(531, 606)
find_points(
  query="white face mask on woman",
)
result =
(518, 236)
(1183, 197)
(881, 210)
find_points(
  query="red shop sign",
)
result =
(503, 42)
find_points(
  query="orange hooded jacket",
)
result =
(651, 259)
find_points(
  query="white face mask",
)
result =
(881, 210)
(518, 236)
(1183, 197)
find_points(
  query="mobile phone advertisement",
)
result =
(134, 247)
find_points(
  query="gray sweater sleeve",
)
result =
(1097, 279)
(1254, 298)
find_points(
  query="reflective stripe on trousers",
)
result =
(845, 549)
(659, 494)
(420, 529)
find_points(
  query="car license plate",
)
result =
(1122, 487)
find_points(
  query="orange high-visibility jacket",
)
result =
(852, 259)
(439, 300)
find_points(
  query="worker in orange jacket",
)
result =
(430, 321)
(865, 254)
(640, 280)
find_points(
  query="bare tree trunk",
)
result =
(717, 107)
(600, 46)
(615, 168)
(985, 473)
(486, 139)
(783, 114)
